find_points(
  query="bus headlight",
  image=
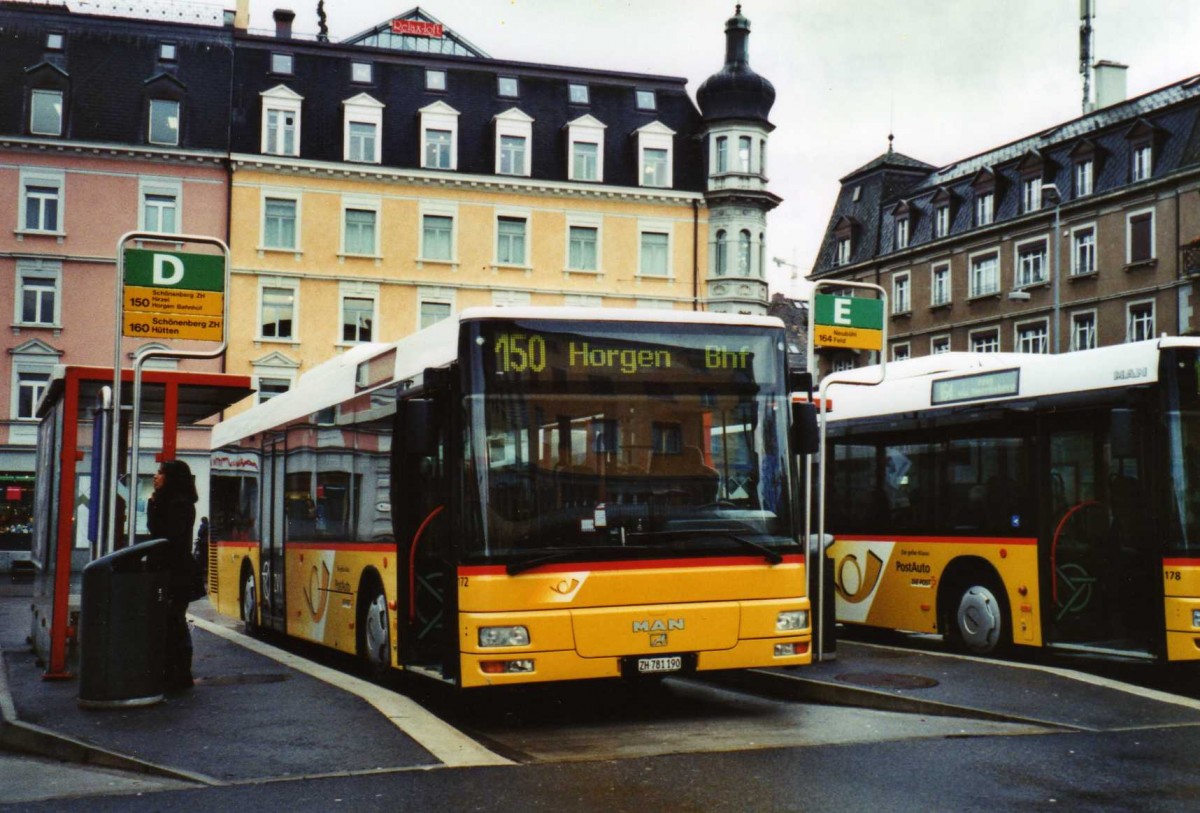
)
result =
(503, 636)
(1196, 618)
(791, 620)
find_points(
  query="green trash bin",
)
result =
(122, 627)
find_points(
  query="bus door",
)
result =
(1098, 564)
(423, 514)
(271, 574)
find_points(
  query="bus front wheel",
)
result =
(375, 641)
(977, 619)
(249, 602)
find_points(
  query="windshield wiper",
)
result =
(522, 565)
(772, 556)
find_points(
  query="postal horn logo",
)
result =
(851, 583)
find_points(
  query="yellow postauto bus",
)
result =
(523, 494)
(1023, 499)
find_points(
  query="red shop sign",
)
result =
(417, 28)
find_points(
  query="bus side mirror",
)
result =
(418, 425)
(806, 435)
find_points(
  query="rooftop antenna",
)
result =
(1087, 10)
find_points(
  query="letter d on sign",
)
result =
(161, 276)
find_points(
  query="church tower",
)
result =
(734, 103)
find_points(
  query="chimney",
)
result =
(283, 23)
(1110, 83)
(241, 17)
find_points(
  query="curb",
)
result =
(27, 738)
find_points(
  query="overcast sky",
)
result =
(951, 78)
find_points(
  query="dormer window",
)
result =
(655, 144)
(46, 112)
(983, 185)
(164, 122)
(903, 215)
(361, 129)
(902, 233)
(439, 136)
(941, 220)
(842, 255)
(843, 235)
(514, 137)
(281, 121)
(983, 209)
(1031, 194)
(1084, 177)
(1141, 137)
(1143, 162)
(1086, 158)
(585, 153)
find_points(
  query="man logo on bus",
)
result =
(850, 576)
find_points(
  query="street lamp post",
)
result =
(1052, 191)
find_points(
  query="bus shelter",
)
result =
(71, 494)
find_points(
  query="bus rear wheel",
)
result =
(375, 643)
(977, 620)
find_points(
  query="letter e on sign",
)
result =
(161, 276)
(841, 311)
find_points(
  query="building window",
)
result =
(983, 209)
(745, 145)
(744, 253)
(282, 63)
(512, 155)
(281, 121)
(54, 41)
(1033, 337)
(278, 313)
(842, 363)
(279, 223)
(358, 314)
(30, 388)
(361, 72)
(359, 231)
(842, 254)
(902, 233)
(164, 122)
(1083, 251)
(434, 312)
(507, 86)
(38, 297)
(437, 237)
(901, 303)
(985, 341)
(1083, 330)
(654, 254)
(268, 388)
(583, 242)
(361, 142)
(1031, 194)
(722, 154)
(901, 352)
(435, 80)
(655, 171)
(1031, 264)
(160, 213)
(1139, 321)
(1143, 159)
(721, 253)
(941, 221)
(1083, 178)
(1139, 236)
(985, 274)
(166, 52)
(586, 160)
(939, 344)
(437, 149)
(577, 93)
(439, 136)
(939, 285)
(42, 201)
(511, 240)
(645, 100)
(46, 112)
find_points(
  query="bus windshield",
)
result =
(629, 438)
(1183, 433)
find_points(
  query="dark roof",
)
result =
(1170, 115)
(322, 76)
(736, 91)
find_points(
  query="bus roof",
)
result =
(337, 379)
(910, 383)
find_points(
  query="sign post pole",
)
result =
(851, 322)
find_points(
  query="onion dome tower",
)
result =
(734, 103)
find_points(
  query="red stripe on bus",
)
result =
(626, 564)
(1181, 562)
(942, 540)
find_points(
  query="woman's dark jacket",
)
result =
(172, 519)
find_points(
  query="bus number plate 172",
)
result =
(650, 665)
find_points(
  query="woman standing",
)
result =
(170, 515)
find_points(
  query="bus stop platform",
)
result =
(1028, 687)
(255, 712)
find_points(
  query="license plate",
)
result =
(649, 665)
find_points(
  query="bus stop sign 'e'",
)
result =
(848, 321)
(173, 295)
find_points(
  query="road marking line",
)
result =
(449, 745)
